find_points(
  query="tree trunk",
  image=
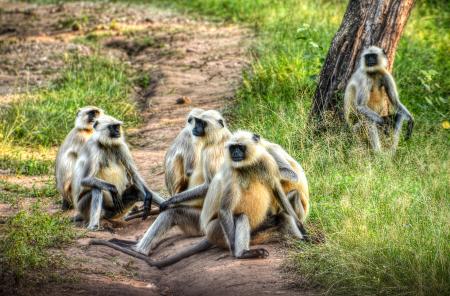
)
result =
(365, 23)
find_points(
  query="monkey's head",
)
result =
(209, 126)
(244, 149)
(194, 112)
(373, 59)
(86, 117)
(108, 131)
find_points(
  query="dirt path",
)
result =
(200, 60)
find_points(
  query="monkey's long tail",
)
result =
(201, 246)
(121, 249)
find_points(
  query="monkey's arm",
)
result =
(287, 207)
(402, 112)
(226, 218)
(102, 185)
(195, 193)
(285, 168)
(148, 194)
(88, 180)
(188, 164)
(361, 106)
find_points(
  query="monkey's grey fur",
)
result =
(371, 95)
(70, 149)
(180, 158)
(106, 181)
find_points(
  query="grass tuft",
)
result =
(46, 116)
(11, 193)
(26, 239)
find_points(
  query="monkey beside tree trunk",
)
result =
(365, 23)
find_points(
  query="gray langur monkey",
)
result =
(209, 136)
(70, 149)
(106, 181)
(180, 158)
(371, 95)
(242, 193)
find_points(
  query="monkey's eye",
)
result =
(221, 122)
(190, 119)
(256, 138)
(95, 124)
(92, 113)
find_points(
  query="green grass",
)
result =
(26, 239)
(23, 166)
(385, 219)
(11, 193)
(46, 116)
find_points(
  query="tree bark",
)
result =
(365, 23)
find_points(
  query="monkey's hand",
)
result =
(117, 200)
(410, 128)
(303, 231)
(147, 203)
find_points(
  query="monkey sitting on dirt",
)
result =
(70, 149)
(180, 158)
(180, 161)
(242, 194)
(372, 96)
(106, 181)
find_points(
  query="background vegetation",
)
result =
(39, 118)
(385, 218)
(27, 238)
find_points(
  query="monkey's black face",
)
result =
(371, 59)
(114, 130)
(237, 152)
(92, 115)
(199, 128)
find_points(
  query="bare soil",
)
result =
(183, 57)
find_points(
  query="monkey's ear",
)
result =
(221, 122)
(256, 138)
(95, 124)
(384, 52)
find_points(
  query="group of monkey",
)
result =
(232, 188)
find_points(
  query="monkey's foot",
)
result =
(66, 205)
(77, 218)
(254, 254)
(94, 227)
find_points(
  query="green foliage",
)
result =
(74, 24)
(10, 192)
(27, 237)
(30, 167)
(385, 219)
(46, 116)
